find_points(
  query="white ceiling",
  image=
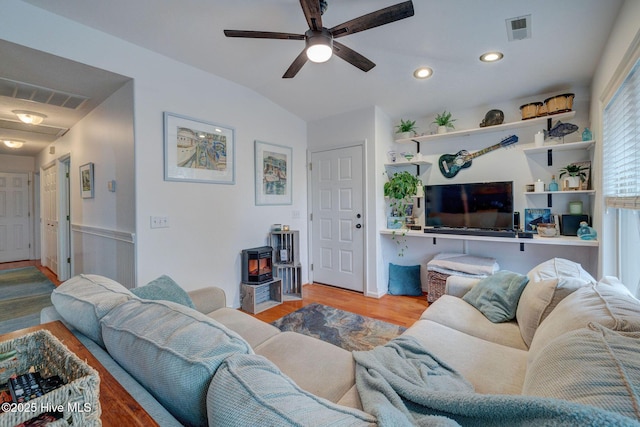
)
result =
(448, 36)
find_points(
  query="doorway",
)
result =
(15, 236)
(56, 229)
(337, 218)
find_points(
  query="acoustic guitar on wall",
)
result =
(451, 164)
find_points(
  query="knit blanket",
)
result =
(402, 384)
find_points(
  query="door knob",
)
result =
(358, 225)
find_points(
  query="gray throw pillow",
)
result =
(166, 289)
(497, 296)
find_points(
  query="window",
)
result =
(621, 174)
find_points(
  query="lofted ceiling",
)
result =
(567, 38)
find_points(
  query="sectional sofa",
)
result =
(572, 341)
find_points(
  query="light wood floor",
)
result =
(399, 310)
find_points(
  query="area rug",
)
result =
(347, 330)
(23, 293)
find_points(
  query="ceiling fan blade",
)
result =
(296, 65)
(311, 9)
(374, 19)
(352, 57)
(263, 35)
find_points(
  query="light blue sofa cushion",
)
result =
(594, 366)
(85, 299)
(497, 296)
(172, 350)
(164, 288)
(249, 390)
(404, 280)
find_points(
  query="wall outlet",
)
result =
(159, 222)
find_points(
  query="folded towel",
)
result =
(470, 264)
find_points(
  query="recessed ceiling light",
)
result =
(29, 117)
(491, 56)
(13, 143)
(423, 73)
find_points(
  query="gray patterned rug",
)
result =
(23, 293)
(347, 330)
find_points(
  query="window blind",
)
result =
(621, 147)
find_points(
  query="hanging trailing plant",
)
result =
(400, 189)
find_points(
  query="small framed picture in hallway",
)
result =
(86, 180)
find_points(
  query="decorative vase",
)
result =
(442, 129)
(585, 232)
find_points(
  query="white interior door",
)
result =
(14, 216)
(50, 217)
(337, 221)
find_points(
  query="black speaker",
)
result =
(570, 223)
(516, 220)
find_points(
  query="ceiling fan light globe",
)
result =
(319, 53)
(319, 45)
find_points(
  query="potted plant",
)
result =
(575, 175)
(444, 122)
(406, 129)
(400, 189)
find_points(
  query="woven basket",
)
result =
(79, 397)
(436, 283)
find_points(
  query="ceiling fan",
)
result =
(320, 42)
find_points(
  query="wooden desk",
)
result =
(118, 406)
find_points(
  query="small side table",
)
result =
(256, 298)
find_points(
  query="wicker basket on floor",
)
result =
(78, 398)
(436, 283)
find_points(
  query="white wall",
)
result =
(624, 32)
(10, 163)
(209, 224)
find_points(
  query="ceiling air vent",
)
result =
(519, 28)
(43, 95)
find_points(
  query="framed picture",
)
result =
(86, 181)
(533, 217)
(273, 174)
(198, 151)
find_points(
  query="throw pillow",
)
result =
(539, 298)
(497, 296)
(559, 267)
(404, 280)
(592, 366)
(164, 288)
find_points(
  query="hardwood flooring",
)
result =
(399, 310)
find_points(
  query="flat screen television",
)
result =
(483, 205)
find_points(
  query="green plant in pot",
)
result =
(406, 129)
(444, 121)
(575, 175)
(400, 189)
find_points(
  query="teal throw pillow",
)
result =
(404, 280)
(164, 288)
(497, 296)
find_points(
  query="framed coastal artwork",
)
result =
(86, 180)
(198, 151)
(273, 174)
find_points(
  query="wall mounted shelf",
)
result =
(497, 128)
